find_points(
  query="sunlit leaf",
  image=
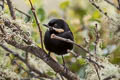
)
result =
(115, 56)
(96, 14)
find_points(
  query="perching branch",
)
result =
(38, 52)
(70, 41)
(12, 12)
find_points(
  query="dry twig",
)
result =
(12, 12)
(2, 5)
(27, 15)
(37, 22)
(113, 4)
(23, 13)
(70, 41)
(98, 8)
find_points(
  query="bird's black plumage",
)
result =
(57, 46)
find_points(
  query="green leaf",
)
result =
(50, 73)
(96, 15)
(92, 47)
(41, 14)
(115, 56)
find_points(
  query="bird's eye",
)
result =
(55, 25)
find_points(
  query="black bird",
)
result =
(57, 46)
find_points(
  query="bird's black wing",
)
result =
(67, 35)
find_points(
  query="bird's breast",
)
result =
(50, 43)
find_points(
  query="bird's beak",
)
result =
(46, 25)
(56, 29)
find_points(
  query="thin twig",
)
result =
(2, 30)
(2, 5)
(30, 73)
(119, 4)
(97, 37)
(70, 41)
(110, 77)
(27, 15)
(113, 4)
(73, 53)
(99, 66)
(23, 13)
(21, 67)
(97, 71)
(89, 59)
(13, 53)
(37, 22)
(24, 61)
(87, 46)
(12, 12)
(96, 43)
(97, 7)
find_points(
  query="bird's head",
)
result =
(59, 24)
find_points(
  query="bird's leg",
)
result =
(63, 60)
(65, 68)
(49, 54)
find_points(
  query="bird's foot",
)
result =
(65, 68)
(48, 56)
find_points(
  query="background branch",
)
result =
(12, 12)
(37, 22)
(100, 10)
(2, 5)
(23, 13)
(112, 4)
(20, 11)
